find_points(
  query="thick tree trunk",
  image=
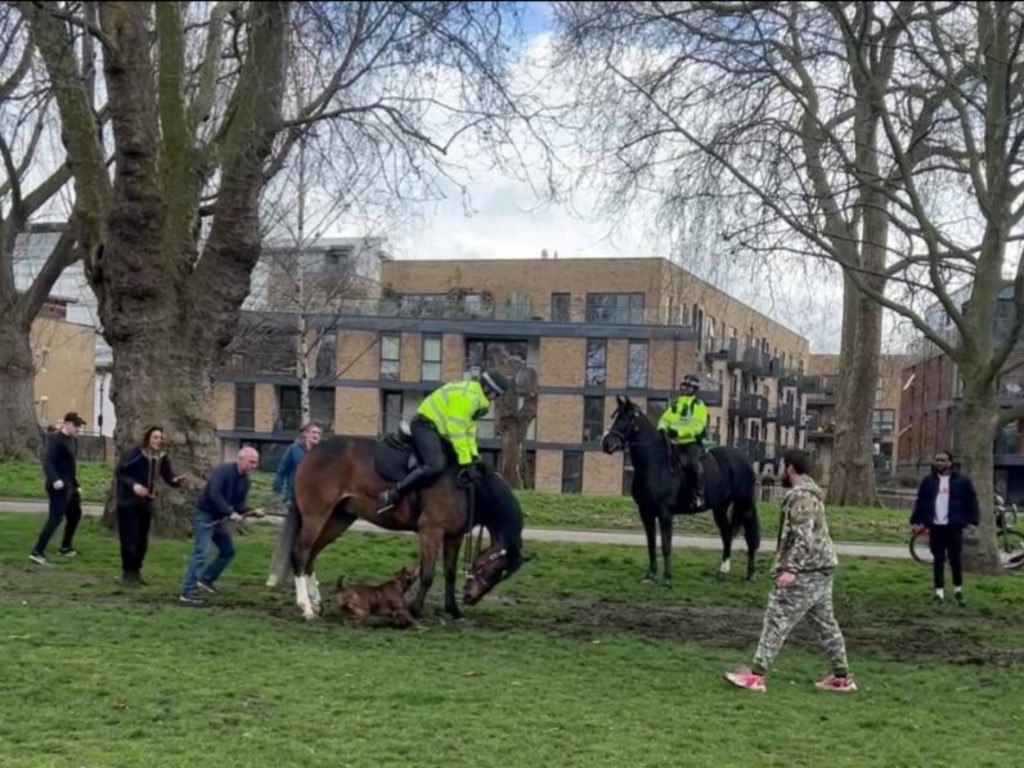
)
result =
(20, 436)
(973, 436)
(852, 477)
(513, 435)
(160, 379)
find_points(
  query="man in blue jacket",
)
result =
(285, 474)
(223, 498)
(946, 504)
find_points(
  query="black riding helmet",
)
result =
(691, 380)
(494, 382)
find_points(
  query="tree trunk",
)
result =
(852, 477)
(161, 379)
(20, 436)
(513, 435)
(974, 432)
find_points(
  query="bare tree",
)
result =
(203, 119)
(515, 412)
(30, 182)
(872, 124)
(753, 125)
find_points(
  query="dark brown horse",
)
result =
(337, 483)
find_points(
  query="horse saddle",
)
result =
(395, 456)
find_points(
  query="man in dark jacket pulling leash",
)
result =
(946, 504)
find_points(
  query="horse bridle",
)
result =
(487, 561)
(626, 437)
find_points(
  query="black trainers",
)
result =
(205, 585)
(39, 558)
(191, 600)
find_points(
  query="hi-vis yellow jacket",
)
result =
(454, 408)
(684, 420)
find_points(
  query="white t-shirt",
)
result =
(942, 501)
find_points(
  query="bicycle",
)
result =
(1011, 542)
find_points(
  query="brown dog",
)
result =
(388, 599)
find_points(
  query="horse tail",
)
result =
(285, 544)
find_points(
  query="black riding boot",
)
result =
(388, 498)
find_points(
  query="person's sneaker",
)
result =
(69, 552)
(834, 683)
(208, 587)
(958, 596)
(745, 678)
(191, 600)
(38, 558)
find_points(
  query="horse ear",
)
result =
(627, 402)
(618, 399)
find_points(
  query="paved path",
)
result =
(572, 536)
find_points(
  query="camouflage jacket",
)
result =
(804, 542)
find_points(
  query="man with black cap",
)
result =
(62, 490)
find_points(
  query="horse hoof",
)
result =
(648, 579)
(666, 584)
(751, 577)
(311, 616)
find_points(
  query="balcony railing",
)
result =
(749, 406)
(754, 450)
(519, 310)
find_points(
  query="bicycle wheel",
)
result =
(1011, 549)
(920, 549)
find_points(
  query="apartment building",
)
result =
(821, 386)
(64, 353)
(931, 393)
(591, 328)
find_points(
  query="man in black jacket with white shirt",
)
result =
(946, 504)
(65, 500)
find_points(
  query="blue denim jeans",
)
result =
(204, 530)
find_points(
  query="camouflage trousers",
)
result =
(809, 596)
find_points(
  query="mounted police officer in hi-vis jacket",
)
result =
(685, 423)
(449, 413)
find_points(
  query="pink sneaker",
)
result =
(833, 683)
(745, 678)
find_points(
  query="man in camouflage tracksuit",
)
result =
(805, 559)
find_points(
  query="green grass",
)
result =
(554, 510)
(573, 662)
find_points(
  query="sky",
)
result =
(498, 216)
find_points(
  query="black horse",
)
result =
(662, 490)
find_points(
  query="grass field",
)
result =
(24, 480)
(573, 662)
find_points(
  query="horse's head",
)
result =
(490, 568)
(623, 427)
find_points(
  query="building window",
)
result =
(245, 406)
(636, 365)
(289, 410)
(430, 369)
(560, 307)
(883, 422)
(593, 419)
(597, 356)
(391, 411)
(622, 308)
(572, 472)
(321, 408)
(327, 356)
(390, 349)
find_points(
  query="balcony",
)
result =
(515, 308)
(754, 450)
(788, 415)
(819, 389)
(818, 429)
(749, 406)
(789, 378)
(712, 396)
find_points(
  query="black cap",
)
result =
(74, 418)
